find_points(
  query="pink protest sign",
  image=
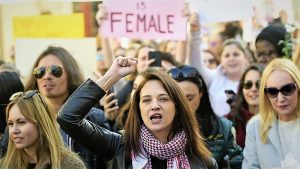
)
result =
(145, 19)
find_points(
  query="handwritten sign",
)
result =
(222, 10)
(145, 19)
(49, 26)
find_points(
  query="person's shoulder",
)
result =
(254, 122)
(71, 160)
(224, 122)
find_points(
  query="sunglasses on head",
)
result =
(55, 70)
(26, 95)
(248, 84)
(286, 90)
(184, 73)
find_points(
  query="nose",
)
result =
(253, 87)
(155, 105)
(280, 97)
(15, 129)
(47, 75)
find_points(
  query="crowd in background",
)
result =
(172, 104)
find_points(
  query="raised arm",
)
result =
(194, 50)
(71, 117)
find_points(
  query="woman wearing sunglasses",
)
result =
(246, 102)
(34, 138)
(217, 131)
(272, 137)
(160, 132)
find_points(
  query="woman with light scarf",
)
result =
(160, 132)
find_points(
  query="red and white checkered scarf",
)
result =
(173, 150)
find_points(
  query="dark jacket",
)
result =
(92, 161)
(108, 145)
(222, 144)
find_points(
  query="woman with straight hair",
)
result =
(160, 132)
(246, 103)
(272, 136)
(217, 131)
(34, 138)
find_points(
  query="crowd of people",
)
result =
(227, 106)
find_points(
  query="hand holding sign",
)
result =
(194, 23)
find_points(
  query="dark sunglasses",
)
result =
(286, 90)
(248, 84)
(24, 95)
(55, 70)
(185, 73)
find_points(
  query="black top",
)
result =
(31, 166)
(157, 163)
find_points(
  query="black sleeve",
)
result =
(98, 140)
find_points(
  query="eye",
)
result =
(146, 100)
(164, 99)
(226, 55)
(190, 98)
(10, 123)
(22, 122)
(236, 54)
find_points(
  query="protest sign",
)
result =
(146, 19)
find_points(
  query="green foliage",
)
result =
(288, 45)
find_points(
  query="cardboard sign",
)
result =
(146, 19)
(49, 26)
(222, 10)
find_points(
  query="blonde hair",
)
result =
(37, 111)
(296, 57)
(266, 112)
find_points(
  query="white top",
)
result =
(216, 89)
(275, 154)
(216, 80)
(289, 133)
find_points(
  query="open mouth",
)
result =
(155, 117)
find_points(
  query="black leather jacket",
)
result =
(222, 145)
(107, 144)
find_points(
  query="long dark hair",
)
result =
(74, 73)
(184, 119)
(241, 106)
(205, 114)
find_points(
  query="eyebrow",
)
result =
(18, 119)
(163, 94)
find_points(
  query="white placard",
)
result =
(83, 50)
(222, 10)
